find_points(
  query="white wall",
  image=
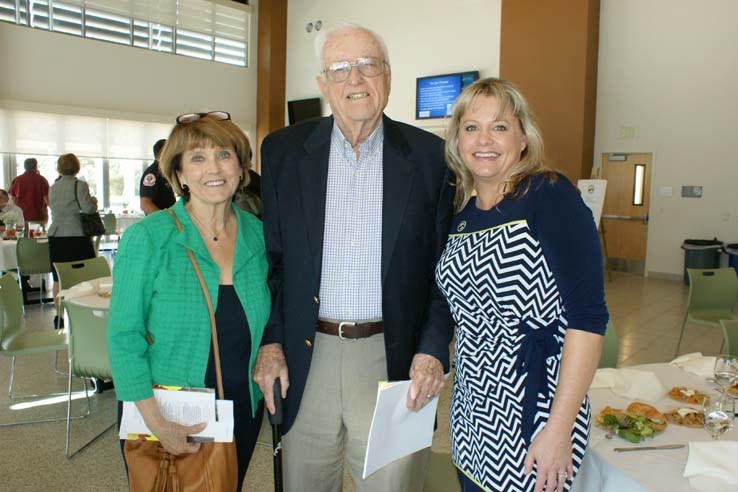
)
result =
(46, 71)
(669, 68)
(423, 38)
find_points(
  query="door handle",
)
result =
(642, 218)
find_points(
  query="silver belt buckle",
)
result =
(340, 329)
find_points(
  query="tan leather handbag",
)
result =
(212, 469)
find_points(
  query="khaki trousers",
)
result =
(334, 419)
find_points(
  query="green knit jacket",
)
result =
(155, 287)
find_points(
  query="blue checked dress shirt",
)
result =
(351, 279)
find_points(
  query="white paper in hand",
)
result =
(186, 408)
(396, 431)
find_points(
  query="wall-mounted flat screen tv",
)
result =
(435, 95)
(303, 109)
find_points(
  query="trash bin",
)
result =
(732, 251)
(701, 253)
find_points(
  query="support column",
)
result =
(549, 49)
(271, 70)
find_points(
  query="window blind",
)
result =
(207, 29)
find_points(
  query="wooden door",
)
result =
(625, 212)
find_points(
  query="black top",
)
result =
(234, 342)
(155, 186)
(563, 225)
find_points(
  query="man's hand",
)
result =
(270, 365)
(426, 373)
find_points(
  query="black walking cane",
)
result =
(276, 421)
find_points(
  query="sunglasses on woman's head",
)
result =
(183, 119)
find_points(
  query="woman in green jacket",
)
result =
(156, 293)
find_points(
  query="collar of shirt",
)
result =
(367, 148)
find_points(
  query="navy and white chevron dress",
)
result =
(516, 277)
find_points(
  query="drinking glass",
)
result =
(719, 415)
(726, 371)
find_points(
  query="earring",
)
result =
(240, 177)
(185, 189)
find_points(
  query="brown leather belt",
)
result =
(350, 329)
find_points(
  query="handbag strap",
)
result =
(213, 331)
(76, 199)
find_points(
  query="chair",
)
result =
(33, 258)
(71, 273)
(712, 296)
(441, 476)
(609, 357)
(730, 336)
(111, 224)
(16, 341)
(111, 229)
(88, 356)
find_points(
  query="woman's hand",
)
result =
(551, 452)
(173, 437)
(551, 449)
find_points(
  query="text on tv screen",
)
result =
(435, 95)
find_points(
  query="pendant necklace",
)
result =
(214, 237)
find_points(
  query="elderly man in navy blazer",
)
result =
(356, 213)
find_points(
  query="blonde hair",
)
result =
(68, 165)
(204, 132)
(532, 159)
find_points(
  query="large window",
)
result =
(205, 29)
(113, 153)
(46, 166)
(124, 178)
(114, 182)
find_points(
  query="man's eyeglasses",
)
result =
(367, 66)
(183, 119)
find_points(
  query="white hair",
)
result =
(341, 28)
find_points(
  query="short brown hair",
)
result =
(68, 165)
(30, 164)
(205, 132)
(532, 159)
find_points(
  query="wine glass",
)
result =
(719, 415)
(725, 371)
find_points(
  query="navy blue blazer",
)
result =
(416, 212)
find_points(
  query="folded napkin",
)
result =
(696, 364)
(630, 383)
(82, 289)
(712, 466)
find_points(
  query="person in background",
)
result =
(30, 191)
(356, 209)
(249, 198)
(522, 272)
(67, 242)
(154, 189)
(156, 291)
(10, 212)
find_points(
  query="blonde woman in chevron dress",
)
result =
(522, 275)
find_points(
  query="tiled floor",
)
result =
(647, 314)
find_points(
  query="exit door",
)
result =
(625, 211)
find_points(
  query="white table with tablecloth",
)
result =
(604, 470)
(94, 294)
